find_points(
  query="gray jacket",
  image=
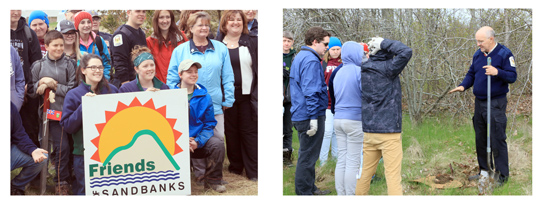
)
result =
(61, 70)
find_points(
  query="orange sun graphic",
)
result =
(122, 124)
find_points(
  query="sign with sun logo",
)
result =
(136, 143)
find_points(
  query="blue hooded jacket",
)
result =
(309, 96)
(201, 115)
(381, 89)
(347, 83)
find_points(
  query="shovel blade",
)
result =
(487, 182)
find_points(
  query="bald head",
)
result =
(485, 39)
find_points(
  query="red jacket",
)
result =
(162, 54)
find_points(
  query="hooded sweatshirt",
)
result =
(381, 89)
(29, 52)
(348, 83)
(17, 79)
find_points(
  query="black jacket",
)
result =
(28, 51)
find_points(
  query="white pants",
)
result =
(350, 139)
(329, 139)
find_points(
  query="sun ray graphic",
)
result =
(120, 127)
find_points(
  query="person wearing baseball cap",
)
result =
(96, 23)
(202, 142)
(71, 44)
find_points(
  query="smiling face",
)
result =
(235, 25)
(15, 15)
(201, 28)
(40, 27)
(85, 26)
(69, 37)
(55, 49)
(164, 20)
(484, 42)
(189, 77)
(250, 14)
(136, 17)
(93, 72)
(146, 70)
(96, 21)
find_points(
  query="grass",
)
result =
(441, 146)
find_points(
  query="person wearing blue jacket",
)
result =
(309, 99)
(381, 112)
(502, 72)
(348, 118)
(16, 74)
(216, 72)
(202, 142)
(89, 40)
(92, 82)
(145, 67)
(24, 153)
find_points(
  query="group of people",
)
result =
(349, 95)
(78, 60)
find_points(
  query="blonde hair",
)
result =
(193, 19)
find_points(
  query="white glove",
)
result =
(312, 127)
(374, 45)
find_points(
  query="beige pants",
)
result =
(387, 145)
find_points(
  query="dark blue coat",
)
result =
(135, 86)
(381, 89)
(18, 135)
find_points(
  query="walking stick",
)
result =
(45, 141)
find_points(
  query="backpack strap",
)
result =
(28, 34)
(99, 44)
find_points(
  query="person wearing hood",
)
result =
(381, 112)
(331, 60)
(39, 22)
(348, 118)
(288, 56)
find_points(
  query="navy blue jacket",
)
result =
(309, 96)
(381, 89)
(18, 135)
(502, 59)
(72, 114)
(135, 86)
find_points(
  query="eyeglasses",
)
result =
(96, 67)
(96, 19)
(69, 33)
(326, 44)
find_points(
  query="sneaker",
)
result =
(216, 187)
(321, 192)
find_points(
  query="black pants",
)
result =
(499, 149)
(29, 115)
(214, 153)
(241, 137)
(287, 126)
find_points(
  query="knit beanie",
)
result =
(334, 41)
(37, 14)
(79, 16)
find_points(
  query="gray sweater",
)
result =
(61, 70)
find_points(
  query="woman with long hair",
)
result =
(71, 38)
(91, 82)
(90, 42)
(164, 40)
(241, 119)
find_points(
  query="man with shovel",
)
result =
(502, 71)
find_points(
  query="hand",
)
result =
(152, 89)
(192, 144)
(490, 70)
(458, 88)
(41, 89)
(374, 45)
(90, 94)
(225, 107)
(51, 83)
(38, 155)
(312, 127)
